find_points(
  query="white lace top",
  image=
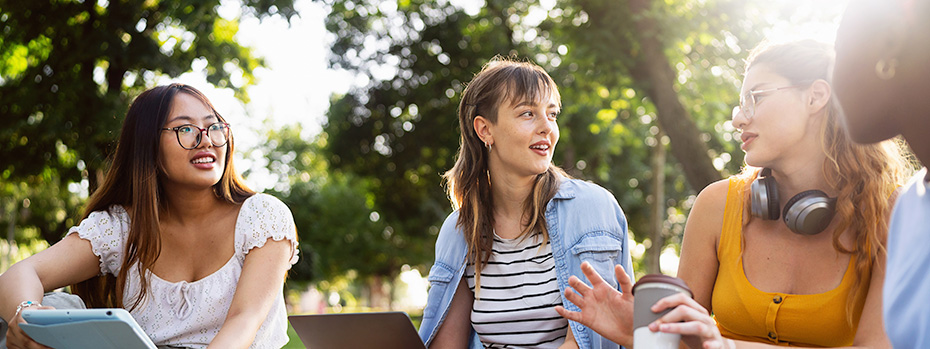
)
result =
(190, 314)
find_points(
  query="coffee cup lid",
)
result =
(664, 279)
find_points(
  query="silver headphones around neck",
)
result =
(807, 213)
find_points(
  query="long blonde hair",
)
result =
(468, 183)
(865, 176)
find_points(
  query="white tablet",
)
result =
(85, 328)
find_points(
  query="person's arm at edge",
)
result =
(871, 330)
(69, 261)
(455, 330)
(260, 283)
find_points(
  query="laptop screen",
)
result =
(388, 330)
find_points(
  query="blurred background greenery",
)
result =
(647, 88)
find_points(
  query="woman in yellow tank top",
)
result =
(775, 262)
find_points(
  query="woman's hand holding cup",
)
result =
(689, 319)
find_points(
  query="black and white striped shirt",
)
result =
(515, 305)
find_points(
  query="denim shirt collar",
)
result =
(567, 190)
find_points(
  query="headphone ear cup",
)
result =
(758, 199)
(764, 198)
(809, 212)
(772, 188)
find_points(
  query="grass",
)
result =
(294, 342)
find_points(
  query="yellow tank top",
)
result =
(746, 313)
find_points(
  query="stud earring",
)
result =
(886, 69)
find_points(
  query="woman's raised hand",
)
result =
(603, 309)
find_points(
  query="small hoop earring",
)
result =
(886, 69)
(488, 145)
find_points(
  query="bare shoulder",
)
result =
(712, 198)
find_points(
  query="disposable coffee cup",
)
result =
(647, 291)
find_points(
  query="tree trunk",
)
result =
(391, 292)
(653, 73)
(657, 219)
(376, 297)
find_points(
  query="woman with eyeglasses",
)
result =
(791, 250)
(172, 235)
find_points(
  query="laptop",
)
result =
(387, 330)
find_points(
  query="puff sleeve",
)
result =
(106, 231)
(266, 217)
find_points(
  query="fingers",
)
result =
(17, 338)
(692, 323)
(688, 319)
(684, 314)
(626, 285)
(578, 285)
(690, 328)
(574, 297)
(713, 344)
(570, 315)
(592, 275)
(676, 300)
(708, 335)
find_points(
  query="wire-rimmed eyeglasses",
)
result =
(189, 135)
(747, 103)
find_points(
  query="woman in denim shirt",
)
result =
(511, 201)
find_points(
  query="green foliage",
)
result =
(597, 71)
(69, 70)
(401, 133)
(338, 226)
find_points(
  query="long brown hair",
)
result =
(133, 180)
(864, 175)
(468, 182)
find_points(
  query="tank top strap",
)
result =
(730, 233)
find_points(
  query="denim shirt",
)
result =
(585, 224)
(905, 304)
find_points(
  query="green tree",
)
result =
(338, 226)
(634, 75)
(401, 133)
(68, 72)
